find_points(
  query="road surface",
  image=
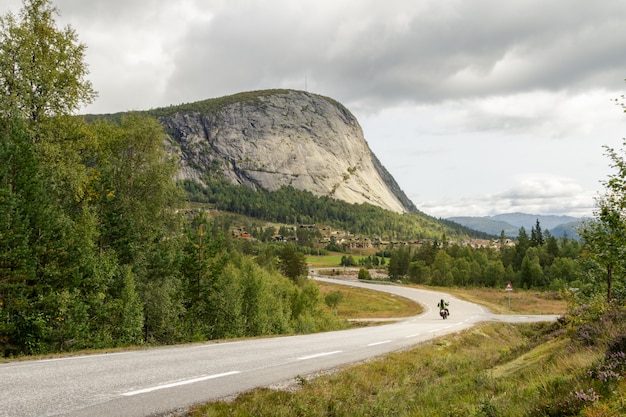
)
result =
(159, 380)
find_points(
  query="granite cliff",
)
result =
(274, 138)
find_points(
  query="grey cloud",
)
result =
(561, 44)
(110, 11)
(372, 53)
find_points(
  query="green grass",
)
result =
(360, 303)
(332, 260)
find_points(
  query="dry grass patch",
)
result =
(522, 301)
(359, 303)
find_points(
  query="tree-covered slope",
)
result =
(291, 206)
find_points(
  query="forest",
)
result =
(538, 261)
(288, 205)
(98, 248)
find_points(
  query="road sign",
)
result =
(509, 288)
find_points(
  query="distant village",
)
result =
(350, 241)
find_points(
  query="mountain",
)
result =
(274, 138)
(528, 221)
(486, 225)
(510, 223)
(567, 229)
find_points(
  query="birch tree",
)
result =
(42, 67)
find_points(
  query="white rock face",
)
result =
(285, 138)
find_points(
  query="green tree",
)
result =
(126, 311)
(45, 256)
(502, 240)
(494, 274)
(204, 286)
(564, 269)
(441, 269)
(347, 260)
(419, 272)
(292, 263)
(19, 181)
(426, 253)
(133, 186)
(552, 247)
(163, 311)
(605, 236)
(536, 235)
(531, 273)
(204, 259)
(42, 81)
(42, 69)
(364, 274)
(307, 237)
(462, 272)
(333, 299)
(521, 246)
(306, 300)
(399, 263)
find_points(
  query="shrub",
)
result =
(364, 274)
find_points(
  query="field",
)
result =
(359, 303)
(521, 301)
(327, 261)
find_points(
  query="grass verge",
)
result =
(521, 301)
(493, 369)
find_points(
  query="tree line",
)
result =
(291, 206)
(539, 261)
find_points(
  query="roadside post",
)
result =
(509, 288)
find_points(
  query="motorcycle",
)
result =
(444, 313)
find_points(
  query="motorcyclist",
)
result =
(443, 305)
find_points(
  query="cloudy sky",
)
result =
(476, 107)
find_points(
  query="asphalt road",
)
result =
(160, 380)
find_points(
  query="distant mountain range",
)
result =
(510, 223)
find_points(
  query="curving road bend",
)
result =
(160, 380)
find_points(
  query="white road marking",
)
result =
(319, 355)
(379, 343)
(412, 335)
(179, 383)
(211, 345)
(72, 358)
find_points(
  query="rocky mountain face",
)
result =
(269, 139)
